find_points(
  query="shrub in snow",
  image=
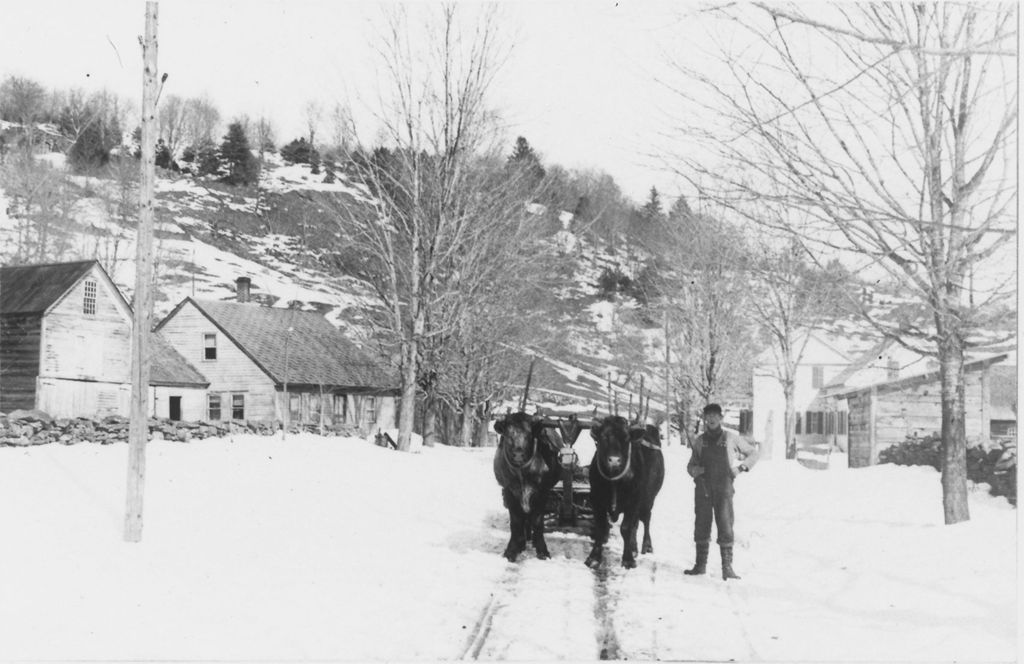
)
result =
(301, 152)
(995, 466)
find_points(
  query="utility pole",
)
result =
(143, 305)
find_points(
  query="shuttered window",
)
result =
(371, 410)
(817, 376)
(89, 299)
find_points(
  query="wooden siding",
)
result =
(19, 361)
(882, 419)
(82, 346)
(74, 398)
(860, 430)
(918, 412)
(339, 408)
(231, 373)
(193, 402)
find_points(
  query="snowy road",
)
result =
(329, 549)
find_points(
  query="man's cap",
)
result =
(713, 408)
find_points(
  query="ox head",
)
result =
(615, 438)
(520, 437)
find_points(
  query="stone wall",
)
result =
(25, 428)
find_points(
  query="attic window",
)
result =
(817, 376)
(892, 370)
(210, 346)
(89, 299)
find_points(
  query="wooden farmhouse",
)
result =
(860, 400)
(266, 363)
(821, 360)
(888, 412)
(65, 344)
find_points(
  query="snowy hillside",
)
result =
(258, 549)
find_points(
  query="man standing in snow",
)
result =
(716, 457)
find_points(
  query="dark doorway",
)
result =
(175, 408)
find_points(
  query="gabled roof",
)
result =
(32, 289)
(169, 368)
(913, 381)
(314, 352)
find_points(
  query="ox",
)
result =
(626, 473)
(526, 467)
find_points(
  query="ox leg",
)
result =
(598, 535)
(628, 530)
(647, 547)
(539, 545)
(517, 527)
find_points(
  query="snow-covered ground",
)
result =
(333, 549)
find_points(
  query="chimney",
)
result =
(242, 288)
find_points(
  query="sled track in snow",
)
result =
(482, 628)
(604, 610)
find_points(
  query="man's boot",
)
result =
(727, 572)
(701, 565)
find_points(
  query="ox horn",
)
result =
(526, 390)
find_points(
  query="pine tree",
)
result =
(237, 157)
(526, 160)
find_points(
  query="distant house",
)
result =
(820, 361)
(267, 363)
(860, 399)
(65, 344)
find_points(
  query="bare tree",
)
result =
(892, 128)
(313, 113)
(791, 299)
(435, 125)
(171, 120)
(202, 120)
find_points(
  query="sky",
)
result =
(328, 549)
(579, 83)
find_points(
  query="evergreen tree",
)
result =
(301, 151)
(524, 159)
(237, 158)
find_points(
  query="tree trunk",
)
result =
(954, 434)
(466, 434)
(430, 422)
(789, 430)
(407, 410)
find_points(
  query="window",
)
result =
(340, 408)
(892, 369)
(797, 430)
(213, 407)
(294, 407)
(371, 410)
(89, 299)
(314, 408)
(238, 406)
(209, 346)
(814, 422)
(817, 376)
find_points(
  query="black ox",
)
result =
(626, 473)
(526, 467)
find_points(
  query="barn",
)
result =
(285, 365)
(65, 344)
(889, 412)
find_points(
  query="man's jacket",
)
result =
(738, 449)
